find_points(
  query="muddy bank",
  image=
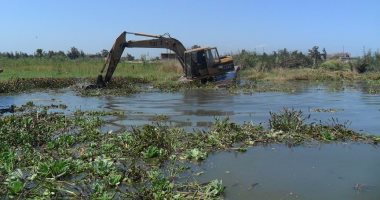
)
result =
(23, 84)
(117, 86)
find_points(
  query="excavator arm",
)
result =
(120, 44)
(112, 60)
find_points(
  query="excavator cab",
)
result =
(203, 62)
(195, 63)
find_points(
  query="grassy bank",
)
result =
(51, 155)
(42, 73)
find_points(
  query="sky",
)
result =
(93, 25)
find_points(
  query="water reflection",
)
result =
(201, 96)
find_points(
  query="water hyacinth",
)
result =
(53, 155)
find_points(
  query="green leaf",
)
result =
(15, 186)
(196, 154)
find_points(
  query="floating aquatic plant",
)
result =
(195, 154)
(51, 155)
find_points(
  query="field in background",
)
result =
(167, 72)
(156, 71)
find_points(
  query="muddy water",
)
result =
(334, 171)
(343, 171)
(198, 108)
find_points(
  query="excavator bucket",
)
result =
(112, 60)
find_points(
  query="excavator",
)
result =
(203, 64)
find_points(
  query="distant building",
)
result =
(168, 56)
(345, 57)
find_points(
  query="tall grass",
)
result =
(307, 74)
(84, 68)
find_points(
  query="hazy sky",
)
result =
(267, 25)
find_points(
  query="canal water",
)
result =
(326, 171)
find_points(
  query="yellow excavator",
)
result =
(202, 64)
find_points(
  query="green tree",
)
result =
(104, 53)
(61, 53)
(73, 53)
(82, 54)
(39, 53)
(50, 54)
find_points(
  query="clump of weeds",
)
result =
(287, 120)
(24, 84)
(290, 126)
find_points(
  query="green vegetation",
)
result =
(282, 67)
(261, 72)
(26, 73)
(265, 62)
(47, 155)
(51, 155)
(290, 80)
(24, 84)
(85, 68)
(314, 59)
(305, 74)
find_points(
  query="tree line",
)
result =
(314, 58)
(282, 58)
(72, 53)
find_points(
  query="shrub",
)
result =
(287, 120)
(335, 65)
